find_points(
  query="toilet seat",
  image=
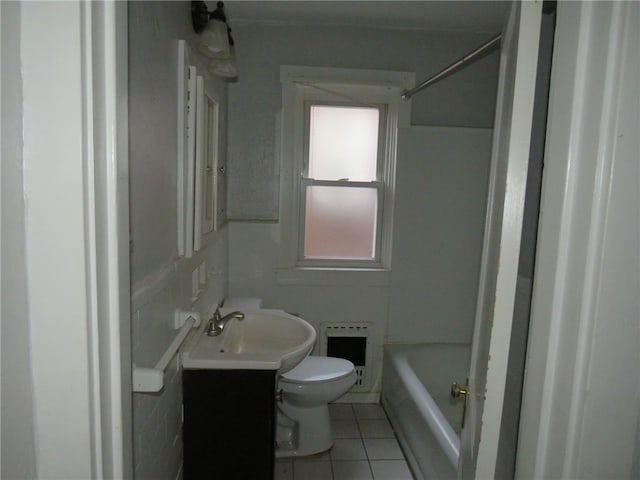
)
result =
(315, 369)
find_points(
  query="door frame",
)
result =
(585, 138)
(107, 193)
(75, 111)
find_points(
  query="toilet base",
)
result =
(314, 430)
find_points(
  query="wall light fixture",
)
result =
(216, 41)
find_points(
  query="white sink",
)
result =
(264, 340)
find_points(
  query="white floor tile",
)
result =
(369, 411)
(365, 448)
(341, 411)
(375, 428)
(383, 449)
(390, 470)
(352, 470)
(345, 429)
(348, 449)
(312, 471)
(283, 470)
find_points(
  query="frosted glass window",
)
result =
(340, 222)
(343, 143)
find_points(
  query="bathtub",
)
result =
(416, 382)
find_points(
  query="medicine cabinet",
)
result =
(200, 174)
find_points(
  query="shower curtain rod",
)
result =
(484, 48)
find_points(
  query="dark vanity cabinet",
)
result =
(229, 424)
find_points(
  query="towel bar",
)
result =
(147, 379)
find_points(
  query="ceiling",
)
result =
(453, 15)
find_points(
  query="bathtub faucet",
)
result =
(217, 323)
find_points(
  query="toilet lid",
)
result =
(316, 369)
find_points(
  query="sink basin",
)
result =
(264, 340)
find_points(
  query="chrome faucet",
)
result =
(217, 323)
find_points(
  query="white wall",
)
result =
(464, 99)
(360, 297)
(154, 31)
(18, 442)
(441, 190)
(431, 292)
(409, 299)
(162, 281)
(157, 417)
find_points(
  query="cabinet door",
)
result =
(229, 424)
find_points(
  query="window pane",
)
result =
(340, 222)
(343, 143)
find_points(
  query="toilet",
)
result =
(303, 424)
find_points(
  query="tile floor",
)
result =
(365, 449)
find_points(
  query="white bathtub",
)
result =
(416, 382)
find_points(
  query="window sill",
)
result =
(334, 276)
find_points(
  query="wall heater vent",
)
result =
(349, 341)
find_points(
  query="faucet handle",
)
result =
(216, 315)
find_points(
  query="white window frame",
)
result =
(303, 85)
(378, 184)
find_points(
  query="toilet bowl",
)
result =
(303, 424)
